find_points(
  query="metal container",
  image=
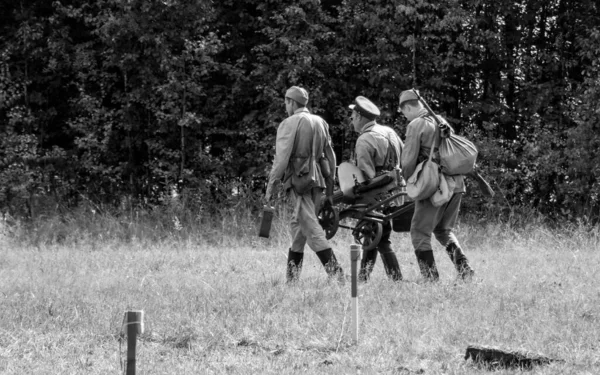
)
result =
(265, 223)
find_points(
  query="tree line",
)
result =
(119, 101)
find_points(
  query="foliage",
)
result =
(126, 101)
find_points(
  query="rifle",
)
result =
(484, 186)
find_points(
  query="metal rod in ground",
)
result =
(354, 257)
(134, 321)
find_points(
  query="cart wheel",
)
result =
(329, 220)
(368, 234)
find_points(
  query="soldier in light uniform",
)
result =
(427, 218)
(302, 141)
(378, 150)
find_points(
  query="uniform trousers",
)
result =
(304, 226)
(440, 221)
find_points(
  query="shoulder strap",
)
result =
(435, 135)
(298, 127)
(391, 157)
(314, 140)
(391, 149)
(311, 121)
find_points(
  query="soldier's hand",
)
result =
(266, 200)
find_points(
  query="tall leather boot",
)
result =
(460, 261)
(294, 266)
(367, 263)
(427, 265)
(390, 263)
(329, 261)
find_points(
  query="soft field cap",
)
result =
(365, 107)
(407, 95)
(298, 94)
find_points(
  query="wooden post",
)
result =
(354, 258)
(134, 321)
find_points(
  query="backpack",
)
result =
(457, 154)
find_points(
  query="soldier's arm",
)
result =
(286, 134)
(410, 152)
(364, 159)
(328, 149)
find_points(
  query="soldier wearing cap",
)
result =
(427, 218)
(378, 150)
(303, 143)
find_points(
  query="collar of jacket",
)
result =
(424, 112)
(303, 109)
(366, 127)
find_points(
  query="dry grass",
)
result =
(215, 303)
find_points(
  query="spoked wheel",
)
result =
(329, 220)
(368, 234)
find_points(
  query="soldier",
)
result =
(427, 218)
(304, 159)
(378, 150)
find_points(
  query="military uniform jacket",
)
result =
(372, 148)
(302, 135)
(419, 136)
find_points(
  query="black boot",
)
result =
(390, 263)
(460, 261)
(427, 265)
(450, 251)
(329, 261)
(294, 266)
(366, 264)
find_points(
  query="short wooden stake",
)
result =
(134, 321)
(354, 257)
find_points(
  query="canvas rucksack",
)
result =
(457, 154)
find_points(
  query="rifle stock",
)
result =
(485, 188)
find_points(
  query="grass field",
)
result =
(221, 306)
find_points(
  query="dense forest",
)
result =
(125, 102)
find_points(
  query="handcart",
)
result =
(365, 206)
